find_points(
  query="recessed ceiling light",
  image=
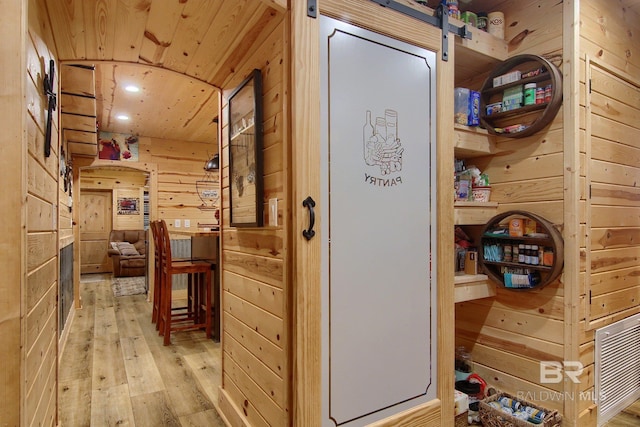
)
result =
(132, 88)
(122, 117)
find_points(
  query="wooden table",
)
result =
(205, 244)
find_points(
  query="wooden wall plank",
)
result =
(615, 280)
(606, 30)
(507, 169)
(606, 128)
(612, 259)
(612, 173)
(39, 355)
(614, 88)
(623, 152)
(41, 401)
(37, 318)
(268, 353)
(615, 301)
(521, 367)
(40, 183)
(260, 294)
(41, 247)
(615, 216)
(266, 324)
(39, 281)
(530, 391)
(266, 243)
(269, 382)
(614, 195)
(245, 415)
(35, 142)
(268, 270)
(603, 238)
(272, 413)
(538, 190)
(40, 214)
(508, 341)
(529, 325)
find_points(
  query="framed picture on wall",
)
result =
(128, 205)
(245, 153)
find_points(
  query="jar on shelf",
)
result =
(463, 363)
(535, 260)
(530, 94)
(521, 253)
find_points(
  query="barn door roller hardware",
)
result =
(312, 9)
(440, 20)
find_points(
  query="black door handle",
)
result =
(310, 204)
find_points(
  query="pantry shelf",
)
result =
(473, 286)
(472, 141)
(473, 213)
(475, 56)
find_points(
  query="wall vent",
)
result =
(617, 367)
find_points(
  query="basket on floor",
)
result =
(462, 420)
(493, 417)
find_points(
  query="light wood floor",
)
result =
(630, 417)
(115, 370)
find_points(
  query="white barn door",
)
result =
(378, 208)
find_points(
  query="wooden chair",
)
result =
(157, 288)
(157, 271)
(188, 317)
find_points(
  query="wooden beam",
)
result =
(13, 173)
(304, 87)
(571, 167)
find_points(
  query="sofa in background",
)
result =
(128, 252)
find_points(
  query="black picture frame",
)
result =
(245, 116)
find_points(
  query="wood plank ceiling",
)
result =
(179, 52)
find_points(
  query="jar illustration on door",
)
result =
(381, 145)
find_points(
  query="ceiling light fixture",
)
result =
(122, 117)
(132, 88)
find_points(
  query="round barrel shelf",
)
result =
(536, 116)
(548, 236)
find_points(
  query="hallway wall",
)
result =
(38, 391)
(256, 377)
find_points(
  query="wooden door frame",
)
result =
(80, 163)
(305, 181)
